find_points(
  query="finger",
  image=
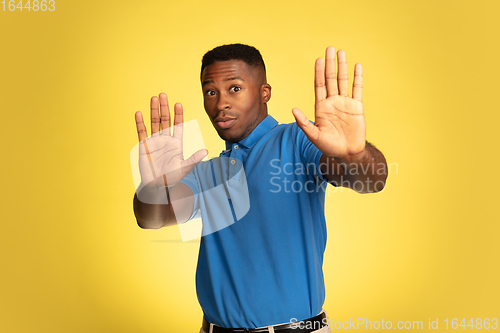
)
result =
(165, 114)
(142, 132)
(330, 72)
(146, 148)
(357, 85)
(319, 80)
(311, 131)
(342, 77)
(178, 120)
(155, 117)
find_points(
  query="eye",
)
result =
(235, 89)
(210, 93)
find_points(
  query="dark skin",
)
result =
(339, 129)
(235, 99)
(235, 96)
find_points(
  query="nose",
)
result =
(223, 103)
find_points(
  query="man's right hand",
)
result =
(161, 159)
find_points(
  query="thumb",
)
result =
(311, 131)
(194, 159)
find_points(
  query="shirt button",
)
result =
(236, 147)
(233, 161)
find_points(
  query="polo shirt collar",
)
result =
(262, 128)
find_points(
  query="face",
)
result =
(235, 96)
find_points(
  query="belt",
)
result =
(304, 326)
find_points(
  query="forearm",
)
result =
(154, 207)
(365, 172)
(149, 212)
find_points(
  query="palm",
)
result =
(339, 128)
(165, 158)
(340, 120)
(161, 158)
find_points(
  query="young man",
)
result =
(261, 271)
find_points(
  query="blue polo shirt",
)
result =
(262, 207)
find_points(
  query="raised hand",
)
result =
(161, 159)
(339, 128)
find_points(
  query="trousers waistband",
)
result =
(303, 326)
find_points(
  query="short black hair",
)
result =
(249, 54)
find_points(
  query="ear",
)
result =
(265, 93)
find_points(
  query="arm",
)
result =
(156, 215)
(162, 166)
(339, 130)
(365, 172)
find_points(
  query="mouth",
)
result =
(225, 123)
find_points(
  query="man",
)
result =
(262, 271)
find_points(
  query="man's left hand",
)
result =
(339, 128)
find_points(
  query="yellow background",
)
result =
(73, 258)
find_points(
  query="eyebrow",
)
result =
(228, 79)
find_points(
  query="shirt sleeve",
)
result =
(310, 154)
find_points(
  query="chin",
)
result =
(230, 137)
